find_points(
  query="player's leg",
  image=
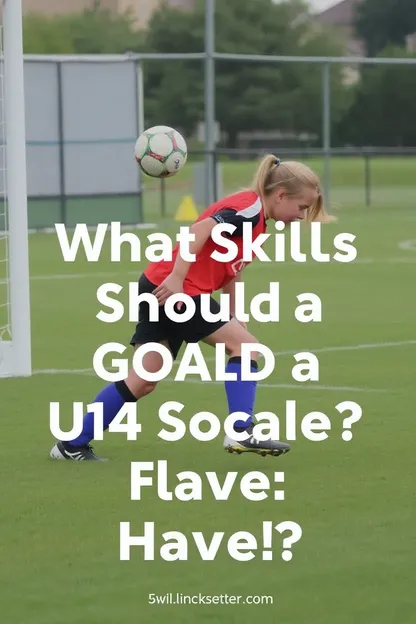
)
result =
(133, 388)
(241, 394)
(112, 397)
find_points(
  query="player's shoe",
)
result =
(62, 450)
(252, 445)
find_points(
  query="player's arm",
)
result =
(174, 282)
(236, 218)
(229, 290)
(202, 231)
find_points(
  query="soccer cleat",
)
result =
(252, 445)
(63, 450)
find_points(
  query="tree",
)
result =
(381, 23)
(101, 31)
(249, 96)
(46, 35)
(94, 31)
(383, 111)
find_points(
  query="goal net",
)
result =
(15, 347)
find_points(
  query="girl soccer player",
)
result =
(281, 191)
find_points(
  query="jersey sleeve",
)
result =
(238, 218)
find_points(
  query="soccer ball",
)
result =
(161, 152)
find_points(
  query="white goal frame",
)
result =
(15, 355)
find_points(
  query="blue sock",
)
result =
(241, 394)
(113, 398)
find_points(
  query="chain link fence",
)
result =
(83, 116)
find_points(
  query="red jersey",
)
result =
(205, 274)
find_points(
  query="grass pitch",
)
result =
(355, 501)
(390, 183)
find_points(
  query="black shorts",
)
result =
(194, 330)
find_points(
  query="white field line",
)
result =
(64, 276)
(90, 372)
(339, 349)
(399, 260)
(255, 266)
(96, 275)
(299, 386)
(408, 245)
(359, 347)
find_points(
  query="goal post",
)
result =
(15, 331)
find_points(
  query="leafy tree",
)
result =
(46, 35)
(383, 111)
(381, 23)
(100, 31)
(249, 96)
(94, 31)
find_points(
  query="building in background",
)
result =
(411, 43)
(341, 17)
(142, 9)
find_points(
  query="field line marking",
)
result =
(359, 347)
(64, 371)
(63, 276)
(84, 275)
(408, 245)
(342, 348)
(402, 260)
(300, 386)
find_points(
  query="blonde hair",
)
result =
(293, 177)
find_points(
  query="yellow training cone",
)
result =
(187, 210)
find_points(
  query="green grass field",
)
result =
(391, 180)
(59, 546)
(391, 183)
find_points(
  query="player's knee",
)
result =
(235, 349)
(139, 387)
(147, 387)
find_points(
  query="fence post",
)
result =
(215, 180)
(61, 144)
(163, 196)
(140, 127)
(326, 126)
(367, 180)
(209, 99)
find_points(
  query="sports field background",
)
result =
(355, 502)
(390, 181)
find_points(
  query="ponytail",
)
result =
(262, 176)
(293, 177)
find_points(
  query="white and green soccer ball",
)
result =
(161, 152)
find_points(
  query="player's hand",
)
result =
(172, 285)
